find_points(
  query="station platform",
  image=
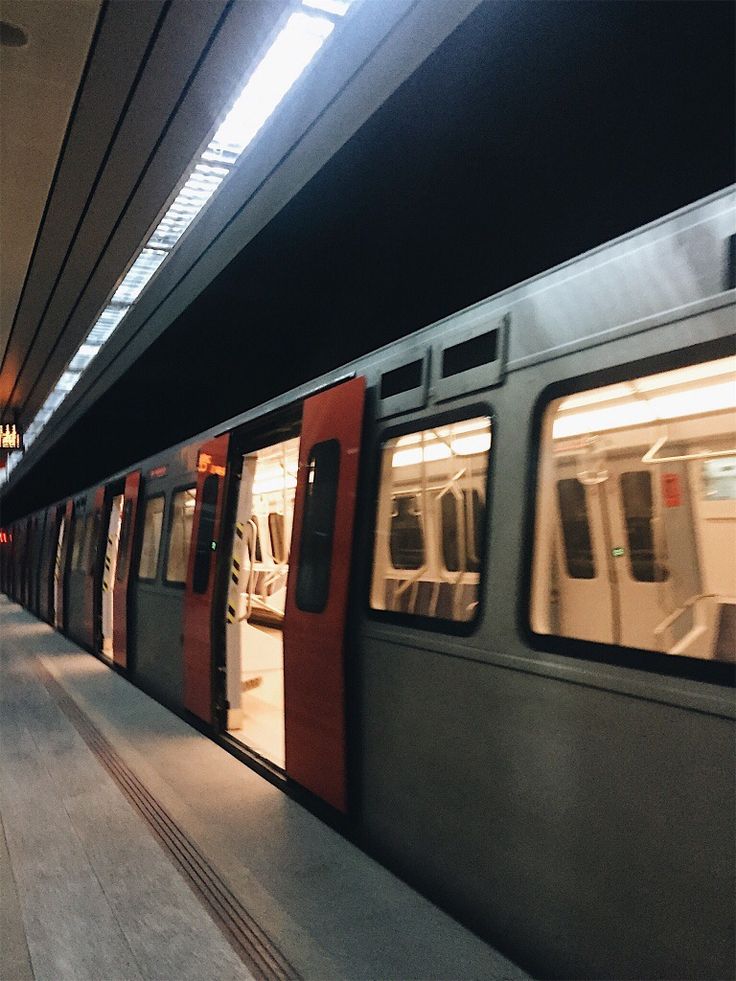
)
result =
(133, 847)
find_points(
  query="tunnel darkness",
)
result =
(535, 132)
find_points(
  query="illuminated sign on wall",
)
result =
(10, 438)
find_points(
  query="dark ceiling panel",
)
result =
(124, 33)
(241, 35)
(180, 41)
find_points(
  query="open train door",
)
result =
(200, 584)
(317, 592)
(122, 569)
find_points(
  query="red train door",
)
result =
(122, 570)
(200, 584)
(317, 591)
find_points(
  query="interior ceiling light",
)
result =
(656, 398)
(292, 50)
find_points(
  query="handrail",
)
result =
(676, 614)
(649, 456)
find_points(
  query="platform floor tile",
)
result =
(92, 893)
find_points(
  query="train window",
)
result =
(313, 578)
(575, 527)
(152, 524)
(205, 542)
(719, 478)
(430, 521)
(123, 550)
(633, 551)
(180, 534)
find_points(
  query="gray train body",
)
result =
(571, 801)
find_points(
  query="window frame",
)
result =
(144, 506)
(611, 655)
(418, 424)
(176, 583)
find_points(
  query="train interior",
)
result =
(257, 597)
(429, 527)
(635, 540)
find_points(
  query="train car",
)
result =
(475, 593)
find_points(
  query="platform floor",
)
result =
(134, 847)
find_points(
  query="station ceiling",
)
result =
(103, 111)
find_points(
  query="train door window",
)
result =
(152, 523)
(109, 571)
(638, 504)
(205, 542)
(257, 597)
(575, 528)
(406, 543)
(646, 512)
(180, 534)
(313, 581)
(430, 521)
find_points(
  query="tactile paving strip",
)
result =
(251, 943)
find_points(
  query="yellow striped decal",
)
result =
(235, 571)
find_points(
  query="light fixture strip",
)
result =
(292, 50)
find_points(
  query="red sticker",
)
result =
(671, 490)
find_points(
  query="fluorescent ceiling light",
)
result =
(283, 63)
(293, 49)
(336, 7)
(137, 277)
(720, 397)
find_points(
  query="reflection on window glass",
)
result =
(152, 522)
(719, 479)
(180, 534)
(430, 522)
(575, 529)
(628, 477)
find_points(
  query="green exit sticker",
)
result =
(213, 546)
(617, 552)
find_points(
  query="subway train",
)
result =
(472, 597)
